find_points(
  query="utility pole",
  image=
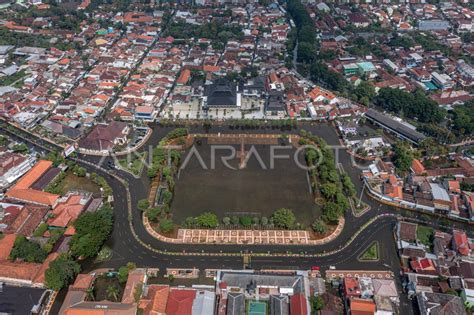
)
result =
(361, 193)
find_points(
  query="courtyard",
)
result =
(255, 190)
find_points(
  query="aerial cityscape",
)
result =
(257, 157)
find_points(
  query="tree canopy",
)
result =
(92, 229)
(414, 105)
(463, 119)
(284, 217)
(207, 220)
(403, 156)
(60, 272)
(27, 250)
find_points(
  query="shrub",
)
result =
(226, 221)
(245, 220)
(235, 220)
(319, 226)
(284, 218)
(153, 213)
(143, 204)
(207, 220)
(166, 225)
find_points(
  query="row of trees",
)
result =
(325, 179)
(306, 31)
(463, 119)
(281, 218)
(161, 154)
(216, 31)
(414, 105)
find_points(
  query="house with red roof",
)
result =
(351, 287)
(180, 301)
(68, 209)
(155, 299)
(417, 167)
(184, 77)
(362, 306)
(23, 192)
(460, 243)
(21, 273)
(6, 246)
(424, 266)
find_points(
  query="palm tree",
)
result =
(90, 294)
(112, 292)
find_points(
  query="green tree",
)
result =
(348, 185)
(143, 204)
(226, 220)
(319, 226)
(463, 119)
(235, 220)
(27, 250)
(332, 211)
(112, 293)
(166, 225)
(20, 148)
(364, 90)
(284, 217)
(207, 220)
(329, 190)
(92, 229)
(306, 52)
(153, 213)
(124, 271)
(61, 272)
(403, 156)
(317, 304)
(245, 220)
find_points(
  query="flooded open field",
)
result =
(226, 188)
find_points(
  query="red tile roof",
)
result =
(156, 300)
(67, 211)
(32, 272)
(135, 278)
(298, 304)
(6, 245)
(362, 307)
(184, 76)
(460, 240)
(22, 191)
(417, 167)
(351, 287)
(180, 301)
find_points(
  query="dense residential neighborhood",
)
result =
(236, 157)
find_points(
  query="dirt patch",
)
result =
(256, 190)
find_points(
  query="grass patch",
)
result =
(104, 254)
(359, 208)
(425, 235)
(134, 164)
(76, 183)
(371, 253)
